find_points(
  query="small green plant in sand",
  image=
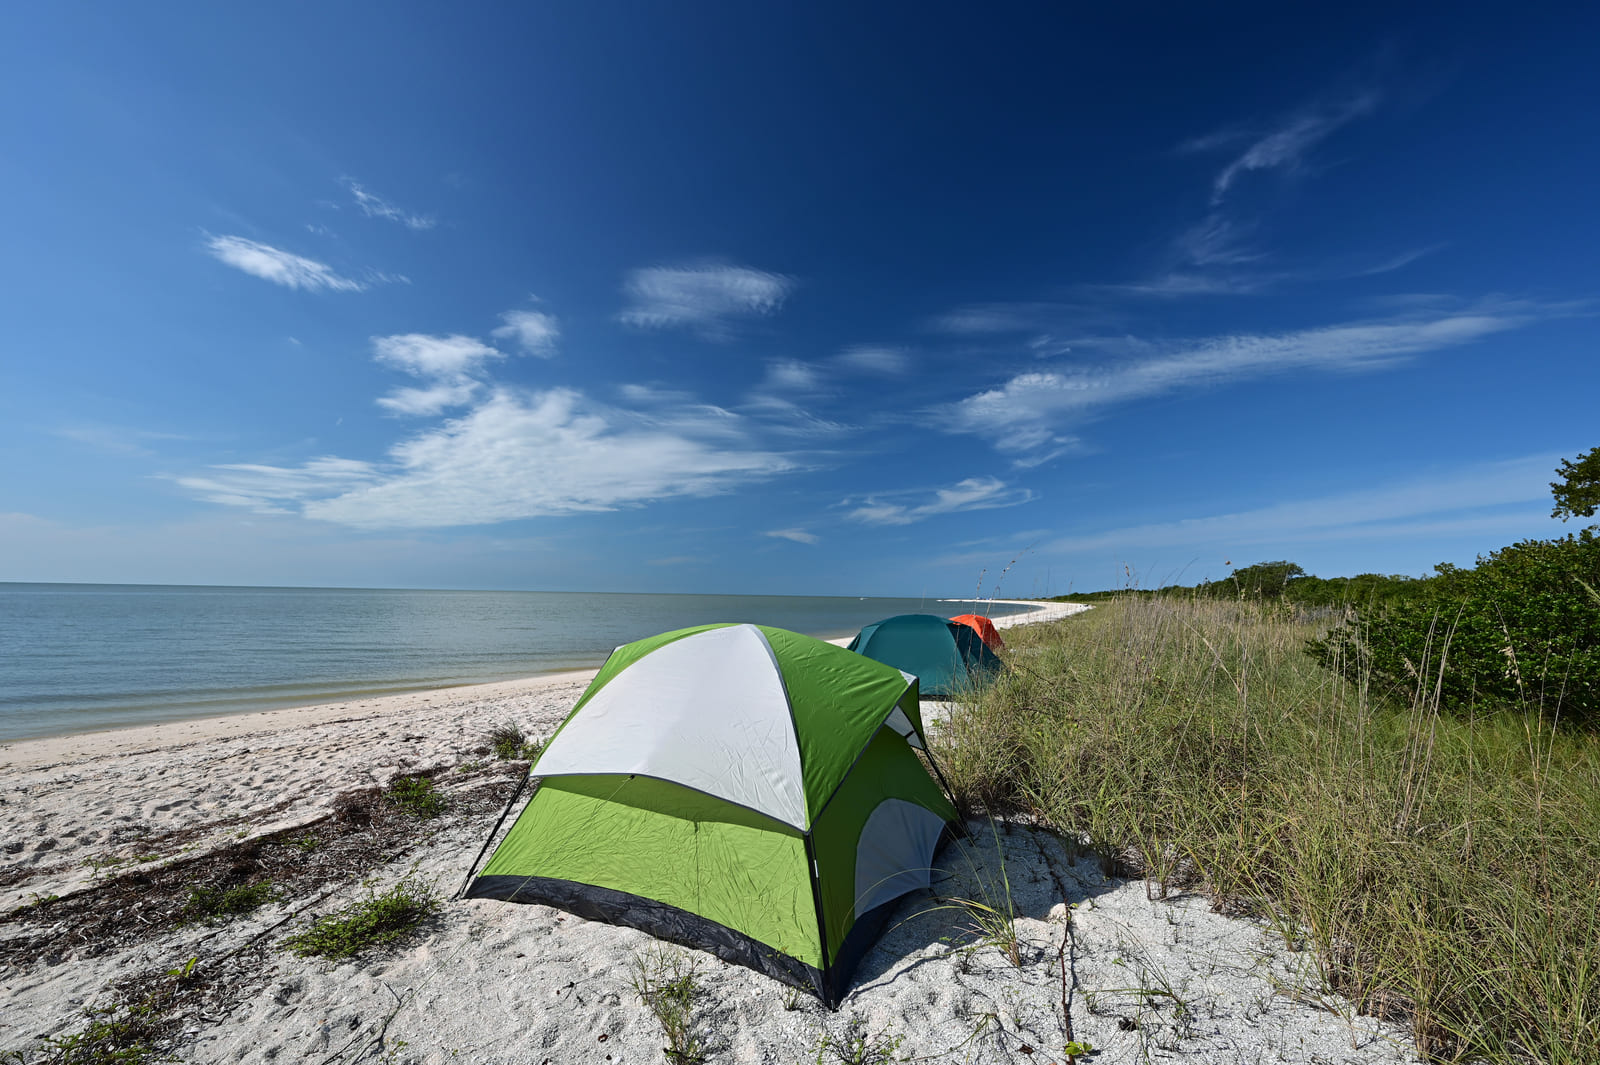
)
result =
(989, 912)
(859, 1045)
(127, 1032)
(511, 744)
(375, 921)
(667, 982)
(214, 905)
(98, 865)
(416, 796)
(115, 1035)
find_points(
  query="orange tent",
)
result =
(984, 627)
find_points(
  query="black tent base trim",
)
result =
(690, 930)
(659, 919)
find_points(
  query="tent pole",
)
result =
(493, 833)
(813, 873)
(949, 792)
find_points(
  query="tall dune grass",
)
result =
(1446, 872)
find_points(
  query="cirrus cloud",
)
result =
(374, 206)
(1023, 414)
(279, 266)
(703, 298)
(799, 536)
(973, 493)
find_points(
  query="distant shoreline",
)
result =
(73, 745)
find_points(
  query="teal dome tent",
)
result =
(945, 656)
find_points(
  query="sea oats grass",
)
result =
(1444, 868)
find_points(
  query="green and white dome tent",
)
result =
(741, 789)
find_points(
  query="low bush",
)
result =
(416, 796)
(375, 921)
(123, 1035)
(1521, 629)
(215, 904)
(510, 743)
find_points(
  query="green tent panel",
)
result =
(944, 656)
(737, 788)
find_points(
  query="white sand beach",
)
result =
(86, 817)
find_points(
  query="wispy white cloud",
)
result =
(1023, 414)
(515, 455)
(433, 356)
(512, 453)
(777, 400)
(1214, 261)
(1395, 262)
(1285, 145)
(275, 489)
(983, 319)
(547, 453)
(1217, 241)
(279, 266)
(1190, 282)
(874, 359)
(781, 417)
(974, 493)
(653, 395)
(448, 363)
(704, 298)
(375, 206)
(1221, 254)
(791, 375)
(799, 536)
(1053, 323)
(534, 331)
(434, 399)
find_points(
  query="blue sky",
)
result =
(836, 299)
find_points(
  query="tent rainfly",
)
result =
(741, 789)
(983, 627)
(944, 656)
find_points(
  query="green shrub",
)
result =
(377, 920)
(116, 1035)
(416, 796)
(213, 904)
(1520, 629)
(510, 743)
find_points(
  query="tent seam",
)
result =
(796, 829)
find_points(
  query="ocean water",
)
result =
(79, 657)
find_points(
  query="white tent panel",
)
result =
(895, 853)
(899, 722)
(708, 711)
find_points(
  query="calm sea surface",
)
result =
(78, 657)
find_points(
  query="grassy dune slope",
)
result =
(1445, 871)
